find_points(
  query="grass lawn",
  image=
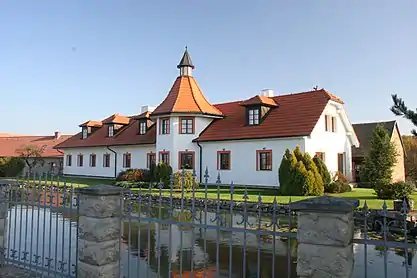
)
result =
(72, 181)
(267, 195)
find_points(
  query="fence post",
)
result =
(3, 220)
(99, 231)
(325, 228)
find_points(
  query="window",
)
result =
(164, 126)
(142, 127)
(320, 155)
(106, 160)
(186, 125)
(253, 115)
(69, 160)
(85, 132)
(93, 159)
(80, 160)
(111, 130)
(330, 123)
(264, 160)
(223, 160)
(127, 159)
(341, 162)
(186, 160)
(150, 160)
(164, 157)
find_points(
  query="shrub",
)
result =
(323, 171)
(286, 172)
(134, 175)
(163, 174)
(298, 154)
(338, 187)
(396, 190)
(316, 187)
(11, 166)
(184, 180)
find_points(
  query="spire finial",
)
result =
(186, 48)
(185, 65)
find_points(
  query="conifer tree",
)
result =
(322, 168)
(286, 172)
(316, 186)
(298, 154)
(378, 165)
(400, 109)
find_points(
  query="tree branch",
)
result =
(400, 109)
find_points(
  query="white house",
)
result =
(243, 141)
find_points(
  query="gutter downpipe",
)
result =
(201, 162)
(115, 160)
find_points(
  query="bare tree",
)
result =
(32, 155)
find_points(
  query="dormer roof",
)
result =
(117, 119)
(185, 96)
(91, 124)
(260, 100)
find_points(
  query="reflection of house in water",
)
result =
(187, 244)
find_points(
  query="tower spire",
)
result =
(186, 65)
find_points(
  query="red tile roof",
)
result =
(296, 115)
(127, 135)
(186, 97)
(11, 145)
(91, 124)
(116, 119)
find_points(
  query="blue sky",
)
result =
(65, 62)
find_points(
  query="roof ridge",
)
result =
(374, 122)
(192, 92)
(204, 97)
(176, 98)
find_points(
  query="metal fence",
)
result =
(388, 232)
(41, 226)
(186, 229)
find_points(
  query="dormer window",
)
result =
(84, 132)
(111, 130)
(142, 127)
(253, 116)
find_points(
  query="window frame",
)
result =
(84, 133)
(80, 160)
(343, 164)
(68, 160)
(248, 116)
(105, 159)
(161, 154)
(110, 131)
(259, 160)
(219, 160)
(162, 131)
(180, 126)
(333, 124)
(143, 124)
(93, 160)
(148, 159)
(180, 156)
(127, 160)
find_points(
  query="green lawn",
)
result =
(267, 195)
(71, 181)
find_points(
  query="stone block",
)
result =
(100, 206)
(315, 261)
(98, 253)
(99, 229)
(91, 271)
(325, 228)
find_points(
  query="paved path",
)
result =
(9, 271)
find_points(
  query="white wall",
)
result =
(331, 143)
(243, 160)
(176, 142)
(139, 155)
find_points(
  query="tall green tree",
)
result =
(324, 172)
(400, 109)
(317, 187)
(378, 165)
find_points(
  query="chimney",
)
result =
(57, 134)
(267, 93)
(146, 108)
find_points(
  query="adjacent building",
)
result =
(364, 132)
(50, 159)
(241, 141)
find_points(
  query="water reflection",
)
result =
(155, 250)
